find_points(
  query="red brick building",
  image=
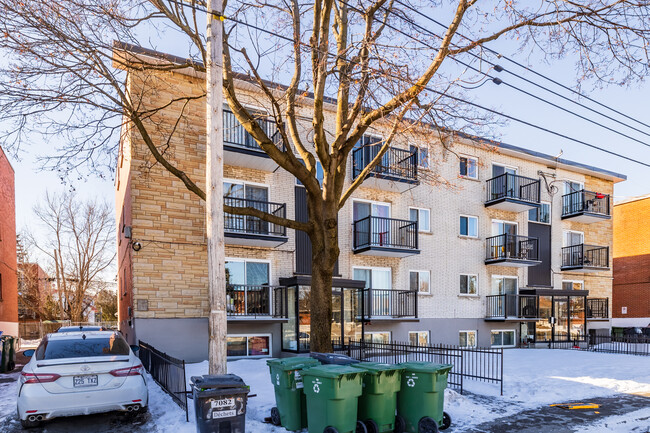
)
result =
(631, 292)
(34, 285)
(8, 261)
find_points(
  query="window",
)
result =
(503, 338)
(498, 170)
(82, 348)
(248, 345)
(468, 284)
(419, 281)
(364, 209)
(469, 167)
(570, 187)
(320, 174)
(422, 216)
(503, 227)
(378, 337)
(573, 285)
(541, 214)
(572, 238)
(244, 272)
(419, 338)
(467, 338)
(423, 155)
(502, 285)
(469, 226)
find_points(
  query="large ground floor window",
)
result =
(244, 345)
(503, 338)
(562, 318)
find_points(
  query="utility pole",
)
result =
(214, 190)
(58, 282)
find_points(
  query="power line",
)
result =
(539, 75)
(524, 122)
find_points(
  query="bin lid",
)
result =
(377, 367)
(426, 367)
(332, 371)
(295, 363)
(217, 381)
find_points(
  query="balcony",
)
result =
(512, 192)
(259, 303)
(598, 308)
(240, 148)
(397, 170)
(378, 236)
(512, 250)
(388, 304)
(586, 206)
(512, 308)
(587, 258)
(252, 231)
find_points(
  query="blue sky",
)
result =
(31, 183)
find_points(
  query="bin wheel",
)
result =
(427, 425)
(275, 416)
(446, 421)
(330, 429)
(400, 424)
(361, 427)
(371, 426)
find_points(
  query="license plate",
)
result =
(87, 380)
(223, 402)
(223, 413)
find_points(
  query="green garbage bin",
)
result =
(3, 361)
(291, 407)
(7, 363)
(420, 400)
(332, 393)
(377, 404)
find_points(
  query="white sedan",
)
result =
(80, 373)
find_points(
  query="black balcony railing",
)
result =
(398, 164)
(234, 133)
(585, 256)
(251, 300)
(388, 303)
(511, 247)
(382, 232)
(513, 306)
(246, 224)
(585, 202)
(597, 308)
(513, 186)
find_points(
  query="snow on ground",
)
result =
(632, 422)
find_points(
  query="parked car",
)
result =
(81, 328)
(80, 373)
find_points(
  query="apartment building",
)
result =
(513, 249)
(8, 258)
(631, 295)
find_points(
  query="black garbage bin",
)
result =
(220, 403)
(333, 358)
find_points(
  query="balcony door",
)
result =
(572, 203)
(246, 195)
(502, 285)
(506, 246)
(377, 230)
(504, 185)
(247, 287)
(379, 281)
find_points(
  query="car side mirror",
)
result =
(135, 348)
(29, 353)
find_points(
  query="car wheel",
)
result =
(29, 424)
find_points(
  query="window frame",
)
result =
(468, 157)
(247, 356)
(498, 164)
(515, 223)
(468, 235)
(418, 149)
(417, 333)
(550, 213)
(240, 259)
(378, 268)
(468, 331)
(501, 277)
(502, 331)
(582, 283)
(418, 209)
(371, 333)
(418, 272)
(476, 284)
(564, 237)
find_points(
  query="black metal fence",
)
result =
(473, 363)
(627, 344)
(256, 300)
(395, 163)
(513, 186)
(373, 231)
(167, 371)
(388, 303)
(503, 306)
(585, 256)
(252, 225)
(585, 201)
(507, 246)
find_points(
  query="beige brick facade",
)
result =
(170, 274)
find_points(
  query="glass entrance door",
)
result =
(561, 328)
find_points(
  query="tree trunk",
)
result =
(325, 252)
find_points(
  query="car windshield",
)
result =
(82, 348)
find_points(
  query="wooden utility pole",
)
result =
(58, 282)
(214, 190)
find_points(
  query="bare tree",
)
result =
(80, 245)
(34, 287)
(368, 61)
